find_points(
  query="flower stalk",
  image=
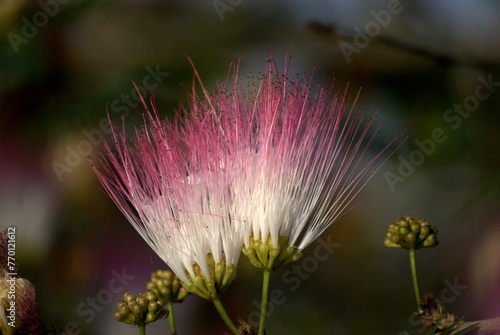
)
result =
(413, 266)
(223, 314)
(170, 307)
(265, 290)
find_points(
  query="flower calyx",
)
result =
(221, 277)
(265, 256)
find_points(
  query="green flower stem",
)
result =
(414, 276)
(142, 329)
(170, 307)
(224, 315)
(263, 309)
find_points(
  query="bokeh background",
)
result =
(62, 62)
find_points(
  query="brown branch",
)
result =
(335, 34)
(488, 326)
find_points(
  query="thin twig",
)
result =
(488, 326)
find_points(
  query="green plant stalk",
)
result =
(171, 320)
(223, 314)
(414, 276)
(142, 329)
(263, 309)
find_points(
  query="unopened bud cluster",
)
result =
(408, 233)
(166, 285)
(141, 310)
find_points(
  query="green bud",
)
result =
(411, 238)
(137, 308)
(142, 300)
(162, 314)
(430, 241)
(424, 231)
(389, 244)
(415, 228)
(133, 319)
(152, 286)
(402, 223)
(153, 306)
(165, 291)
(183, 293)
(161, 302)
(176, 285)
(150, 295)
(131, 303)
(122, 305)
(128, 296)
(404, 231)
(119, 316)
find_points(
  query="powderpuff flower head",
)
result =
(262, 169)
(169, 181)
(301, 156)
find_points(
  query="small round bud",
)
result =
(121, 305)
(128, 296)
(402, 223)
(165, 291)
(162, 314)
(150, 295)
(142, 301)
(415, 228)
(119, 316)
(182, 294)
(150, 317)
(430, 241)
(411, 237)
(425, 230)
(133, 319)
(137, 308)
(161, 302)
(153, 306)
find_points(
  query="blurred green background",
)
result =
(62, 62)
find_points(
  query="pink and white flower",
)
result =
(265, 168)
(301, 157)
(170, 183)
